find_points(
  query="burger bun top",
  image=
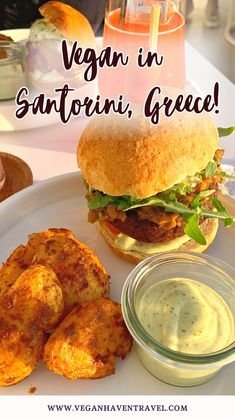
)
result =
(134, 157)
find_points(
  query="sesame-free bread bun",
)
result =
(134, 157)
(73, 25)
(209, 228)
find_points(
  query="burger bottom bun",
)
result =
(209, 228)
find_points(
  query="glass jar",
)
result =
(170, 366)
(12, 69)
(151, 25)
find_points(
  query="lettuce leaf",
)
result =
(182, 188)
(193, 230)
(169, 202)
(197, 200)
(101, 200)
(228, 221)
(224, 175)
(224, 132)
(210, 169)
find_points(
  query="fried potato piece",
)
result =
(13, 267)
(82, 276)
(22, 257)
(85, 344)
(20, 350)
(32, 305)
(5, 37)
(35, 239)
(35, 297)
(3, 53)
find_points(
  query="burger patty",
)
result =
(146, 224)
(149, 224)
(146, 231)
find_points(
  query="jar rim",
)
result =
(18, 51)
(141, 335)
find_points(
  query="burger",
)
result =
(44, 63)
(153, 188)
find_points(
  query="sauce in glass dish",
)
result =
(180, 310)
(186, 316)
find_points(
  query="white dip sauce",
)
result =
(186, 316)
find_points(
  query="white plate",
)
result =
(18, 35)
(8, 121)
(60, 202)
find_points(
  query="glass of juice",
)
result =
(154, 26)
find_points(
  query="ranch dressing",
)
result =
(186, 316)
(129, 244)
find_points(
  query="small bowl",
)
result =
(12, 69)
(168, 365)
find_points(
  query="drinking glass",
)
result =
(149, 24)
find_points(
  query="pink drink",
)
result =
(133, 81)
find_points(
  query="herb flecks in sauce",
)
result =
(186, 316)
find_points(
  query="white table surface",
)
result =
(51, 150)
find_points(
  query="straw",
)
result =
(154, 26)
(123, 10)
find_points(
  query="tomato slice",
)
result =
(113, 229)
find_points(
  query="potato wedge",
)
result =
(82, 276)
(22, 257)
(36, 297)
(85, 344)
(20, 350)
(33, 305)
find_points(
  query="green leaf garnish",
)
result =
(182, 188)
(168, 200)
(218, 205)
(197, 200)
(210, 169)
(193, 230)
(100, 200)
(228, 220)
(162, 200)
(170, 203)
(224, 132)
(224, 175)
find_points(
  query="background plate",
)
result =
(60, 202)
